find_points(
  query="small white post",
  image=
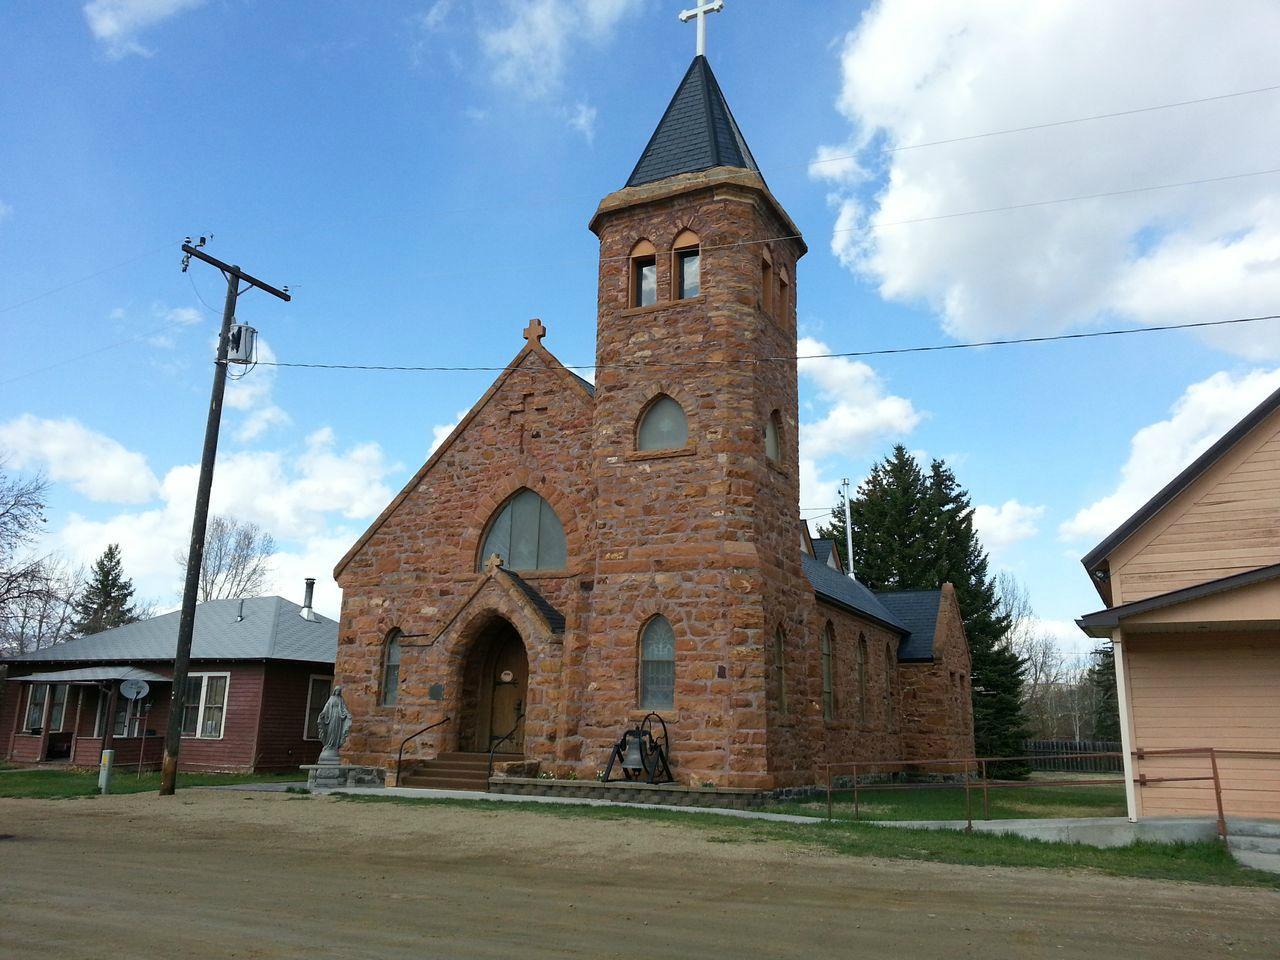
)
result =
(104, 771)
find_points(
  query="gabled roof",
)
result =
(271, 629)
(917, 610)
(847, 592)
(1095, 558)
(696, 133)
(1100, 623)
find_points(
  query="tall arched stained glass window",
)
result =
(663, 426)
(526, 534)
(391, 669)
(773, 437)
(828, 672)
(658, 665)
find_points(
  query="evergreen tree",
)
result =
(107, 598)
(1106, 710)
(914, 531)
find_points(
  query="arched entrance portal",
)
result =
(495, 691)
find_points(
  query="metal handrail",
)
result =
(414, 736)
(493, 747)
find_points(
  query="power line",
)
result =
(87, 276)
(1055, 123)
(887, 351)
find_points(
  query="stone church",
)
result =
(576, 555)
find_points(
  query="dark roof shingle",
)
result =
(918, 612)
(846, 592)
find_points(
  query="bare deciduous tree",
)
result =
(45, 616)
(1046, 666)
(237, 560)
(23, 577)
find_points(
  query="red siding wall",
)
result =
(284, 708)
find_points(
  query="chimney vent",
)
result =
(240, 611)
(306, 612)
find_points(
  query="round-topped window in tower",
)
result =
(687, 265)
(663, 426)
(773, 437)
(526, 534)
(644, 275)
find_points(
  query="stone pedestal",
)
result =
(333, 776)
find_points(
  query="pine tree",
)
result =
(913, 531)
(107, 598)
(1106, 709)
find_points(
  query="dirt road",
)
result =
(219, 875)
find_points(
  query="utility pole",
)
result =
(848, 529)
(195, 554)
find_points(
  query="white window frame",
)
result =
(204, 692)
(27, 729)
(310, 689)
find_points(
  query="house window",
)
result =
(663, 426)
(644, 275)
(204, 713)
(391, 670)
(658, 665)
(526, 534)
(862, 678)
(688, 265)
(57, 707)
(126, 714)
(773, 437)
(828, 670)
(780, 669)
(318, 691)
(37, 694)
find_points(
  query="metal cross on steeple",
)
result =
(703, 8)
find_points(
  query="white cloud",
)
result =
(92, 464)
(1000, 527)
(915, 72)
(582, 117)
(440, 432)
(6, 211)
(859, 410)
(117, 23)
(528, 51)
(175, 319)
(1158, 452)
(252, 395)
(305, 498)
(434, 17)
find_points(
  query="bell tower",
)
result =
(695, 452)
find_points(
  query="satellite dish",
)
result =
(134, 689)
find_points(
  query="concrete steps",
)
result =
(1255, 843)
(455, 771)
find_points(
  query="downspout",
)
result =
(1126, 724)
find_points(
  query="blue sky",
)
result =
(422, 173)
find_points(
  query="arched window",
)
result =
(784, 294)
(663, 426)
(888, 687)
(657, 665)
(862, 678)
(687, 261)
(780, 669)
(644, 275)
(526, 534)
(766, 284)
(773, 437)
(390, 669)
(828, 672)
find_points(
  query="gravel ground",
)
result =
(213, 874)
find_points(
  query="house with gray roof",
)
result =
(261, 669)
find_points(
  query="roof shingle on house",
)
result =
(268, 628)
(696, 133)
(918, 611)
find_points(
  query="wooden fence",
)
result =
(1055, 756)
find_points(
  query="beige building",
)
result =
(1192, 587)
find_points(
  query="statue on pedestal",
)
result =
(334, 723)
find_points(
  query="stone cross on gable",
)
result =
(535, 331)
(701, 11)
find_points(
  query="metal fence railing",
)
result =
(1074, 756)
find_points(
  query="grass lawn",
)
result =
(1207, 862)
(60, 784)
(948, 803)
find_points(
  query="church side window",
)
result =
(526, 534)
(658, 665)
(888, 687)
(688, 265)
(391, 670)
(663, 426)
(862, 678)
(773, 437)
(644, 275)
(828, 671)
(780, 669)
(766, 286)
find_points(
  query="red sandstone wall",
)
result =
(937, 707)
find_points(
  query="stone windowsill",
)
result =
(662, 305)
(642, 455)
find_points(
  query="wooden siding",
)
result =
(1207, 691)
(284, 707)
(1226, 522)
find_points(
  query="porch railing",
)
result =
(414, 736)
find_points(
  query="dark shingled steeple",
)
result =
(697, 132)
